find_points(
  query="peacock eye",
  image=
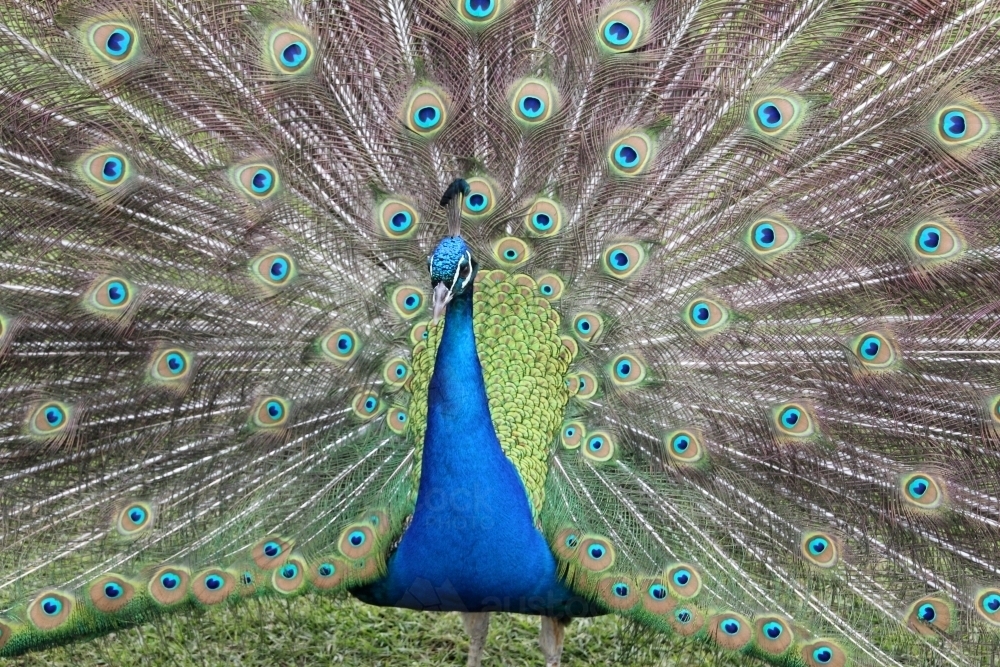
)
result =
(112, 41)
(874, 351)
(630, 155)
(290, 51)
(256, 181)
(106, 169)
(621, 30)
(769, 237)
(959, 125)
(425, 112)
(776, 115)
(397, 219)
(532, 103)
(705, 315)
(933, 241)
(49, 418)
(477, 13)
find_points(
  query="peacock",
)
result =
(687, 312)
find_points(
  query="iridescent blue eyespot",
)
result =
(52, 606)
(870, 347)
(170, 581)
(583, 326)
(54, 416)
(477, 202)
(427, 116)
(620, 589)
(769, 115)
(619, 260)
(595, 444)
(926, 612)
(929, 239)
(626, 156)
(701, 313)
(175, 363)
(682, 577)
(658, 592)
(113, 169)
(246, 578)
(213, 582)
(479, 8)
(137, 515)
(617, 33)
(294, 55)
(118, 42)
(822, 655)
(547, 290)
(818, 545)
(623, 368)
(991, 603)
(290, 571)
(683, 616)
(411, 302)
(356, 538)
(596, 551)
(790, 417)
(370, 404)
(274, 410)
(730, 626)
(680, 443)
(326, 570)
(918, 487)
(953, 124)
(542, 221)
(763, 235)
(261, 181)
(531, 106)
(401, 221)
(279, 269)
(116, 292)
(572, 541)
(113, 590)
(773, 630)
(272, 549)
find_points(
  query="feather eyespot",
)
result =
(106, 170)
(271, 551)
(213, 586)
(705, 316)
(586, 385)
(172, 366)
(768, 237)
(775, 116)
(684, 447)
(270, 412)
(823, 653)
(111, 593)
(290, 577)
(397, 219)
(550, 286)
(595, 553)
(49, 419)
(656, 598)
(478, 13)
(169, 585)
(684, 580)
(730, 631)
(419, 333)
(565, 543)
(114, 42)
(988, 605)
(481, 199)
(50, 609)
(793, 420)
(339, 345)
(408, 301)
(544, 217)
(111, 296)
(398, 420)
(356, 541)
(773, 634)
(587, 326)
(274, 270)
(621, 260)
(598, 447)
(511, 252)
(874, 351)
(929, 616)
(820, 549)
(933, 241)
(622, 30)
(257, 181)
(630, 155)
(922, 491)
(960, 127)
(571, 435)
(327, 573)
(425, 112)
(626, 370)
(290, 52)
(532, 102)
(134, 519)
(618, 592)
(366, 405)
(396, 372)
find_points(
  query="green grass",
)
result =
(315, 630)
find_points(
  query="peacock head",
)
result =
(452, 272)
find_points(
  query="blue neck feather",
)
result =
(472, 544)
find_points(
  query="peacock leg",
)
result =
(551, 639)
(477, 624)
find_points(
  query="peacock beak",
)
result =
(442, 297)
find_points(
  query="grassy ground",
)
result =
(314, 630)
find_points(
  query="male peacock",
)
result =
(705, 336)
